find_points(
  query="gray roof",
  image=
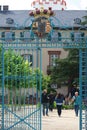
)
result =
(21, 18)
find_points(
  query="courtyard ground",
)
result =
(67, 121)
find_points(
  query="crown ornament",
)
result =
(42, 12)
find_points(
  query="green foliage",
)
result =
(66, 107)
(38, 104)
(51, 90)
(16, 69)
(54, 105)
(40, 79)
(66, 70)
(18, 72)
(0, 64)
(84, 20)
(45, 81)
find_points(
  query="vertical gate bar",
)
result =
(37, 65)
(2, 88)
(80, 84)
(40, 88)
(25, 74)
(85, 94)
(37, 79)
(83, 88)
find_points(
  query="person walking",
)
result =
(45, 102)
(76, 100)
(51, 101)
(59, 102)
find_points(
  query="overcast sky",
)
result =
(26, 4)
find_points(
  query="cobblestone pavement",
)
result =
(67, 121)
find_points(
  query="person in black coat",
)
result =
(45, 102)
(51, 101)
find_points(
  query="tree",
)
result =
(66, 70)
(17, 72)
(84, 20)
(40, 77)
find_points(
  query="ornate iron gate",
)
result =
(19, 109)
(21, 87)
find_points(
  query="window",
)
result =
(77, 21)
(21, 35)
(77, 36)
(2, 35)
(59, 36)
(56, 36)
(9, 21)
(26, 36)
(53, 55)
(8, 36)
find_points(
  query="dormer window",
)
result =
(9, 21)
(77, 21)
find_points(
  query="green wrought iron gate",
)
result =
(21, 87)
(21, 84)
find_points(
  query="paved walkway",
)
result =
(67, 121)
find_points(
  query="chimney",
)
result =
(5, 7)
(0, 7)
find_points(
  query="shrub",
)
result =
(67, 107)
(64, 106)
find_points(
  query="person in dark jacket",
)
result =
(51, 101)
(45, 102)
(59, 102)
